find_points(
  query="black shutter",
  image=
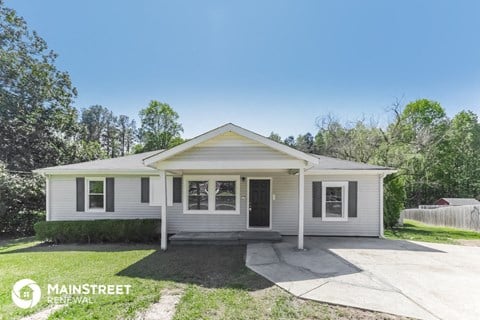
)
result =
(317, 199)
(110, 189)
(80, 194)
(352, 199)
(145, 190)
(177, 190)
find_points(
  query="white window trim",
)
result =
(344, 186)
(87, 194)
(211, 193)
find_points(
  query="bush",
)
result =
(92, 231)
(393, 199)
(22, 201)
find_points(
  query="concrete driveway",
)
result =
(415, 279)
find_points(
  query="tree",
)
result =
(127, 132)
(305, 143)
(159, 126)
(275, 137)
(458, 172)
(356, 142)
(38, 122)
(94, 121)
(420, 132)
(115, 135)
(22, 198)
(393, 199)
(110, 136)
(289, 141)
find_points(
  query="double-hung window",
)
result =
(198, 195)
(212, 194)
(335, 201)
(95, 195)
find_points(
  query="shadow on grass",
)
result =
(207, 266)
(94, 247)
(10, 242)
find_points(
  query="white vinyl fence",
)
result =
(462, 217)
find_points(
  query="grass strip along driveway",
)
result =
(215, 282)
(417, 231)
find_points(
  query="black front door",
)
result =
(259, 206)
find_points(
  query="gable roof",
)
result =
(461, 201)
(138, 163)
(230, 127)
(329, 163)
(126, 164)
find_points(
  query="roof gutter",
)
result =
(95, 172)
(350, 171)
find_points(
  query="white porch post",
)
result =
(163, 201)
(47, 197)
(301, 204)
(380, 186)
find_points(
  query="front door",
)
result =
(259, 206)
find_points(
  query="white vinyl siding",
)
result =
(230, 147)
(367, 222)
(284, 207)
(127, 201)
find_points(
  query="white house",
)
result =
(227, 179)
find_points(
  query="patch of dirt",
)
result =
(44, 314)
(165, 308)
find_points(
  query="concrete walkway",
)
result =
(419, 280)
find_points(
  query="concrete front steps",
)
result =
(224, 238)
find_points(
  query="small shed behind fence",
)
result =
(457, 202)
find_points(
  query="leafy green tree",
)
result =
(35, 98)
(458, 168)
(393, 199)
(159, 126)
(94, 122)
(275, 137)
(305, 143)
(22, 201)
(289, 141)
(115, 135)
(127, 132)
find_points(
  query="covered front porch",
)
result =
(267, 203)
(231, 179)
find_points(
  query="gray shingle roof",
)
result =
(329, 163)
(130, 162)
(135, 163)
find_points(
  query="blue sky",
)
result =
(265, 65)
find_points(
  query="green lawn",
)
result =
(216, 283)
(414, 230)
